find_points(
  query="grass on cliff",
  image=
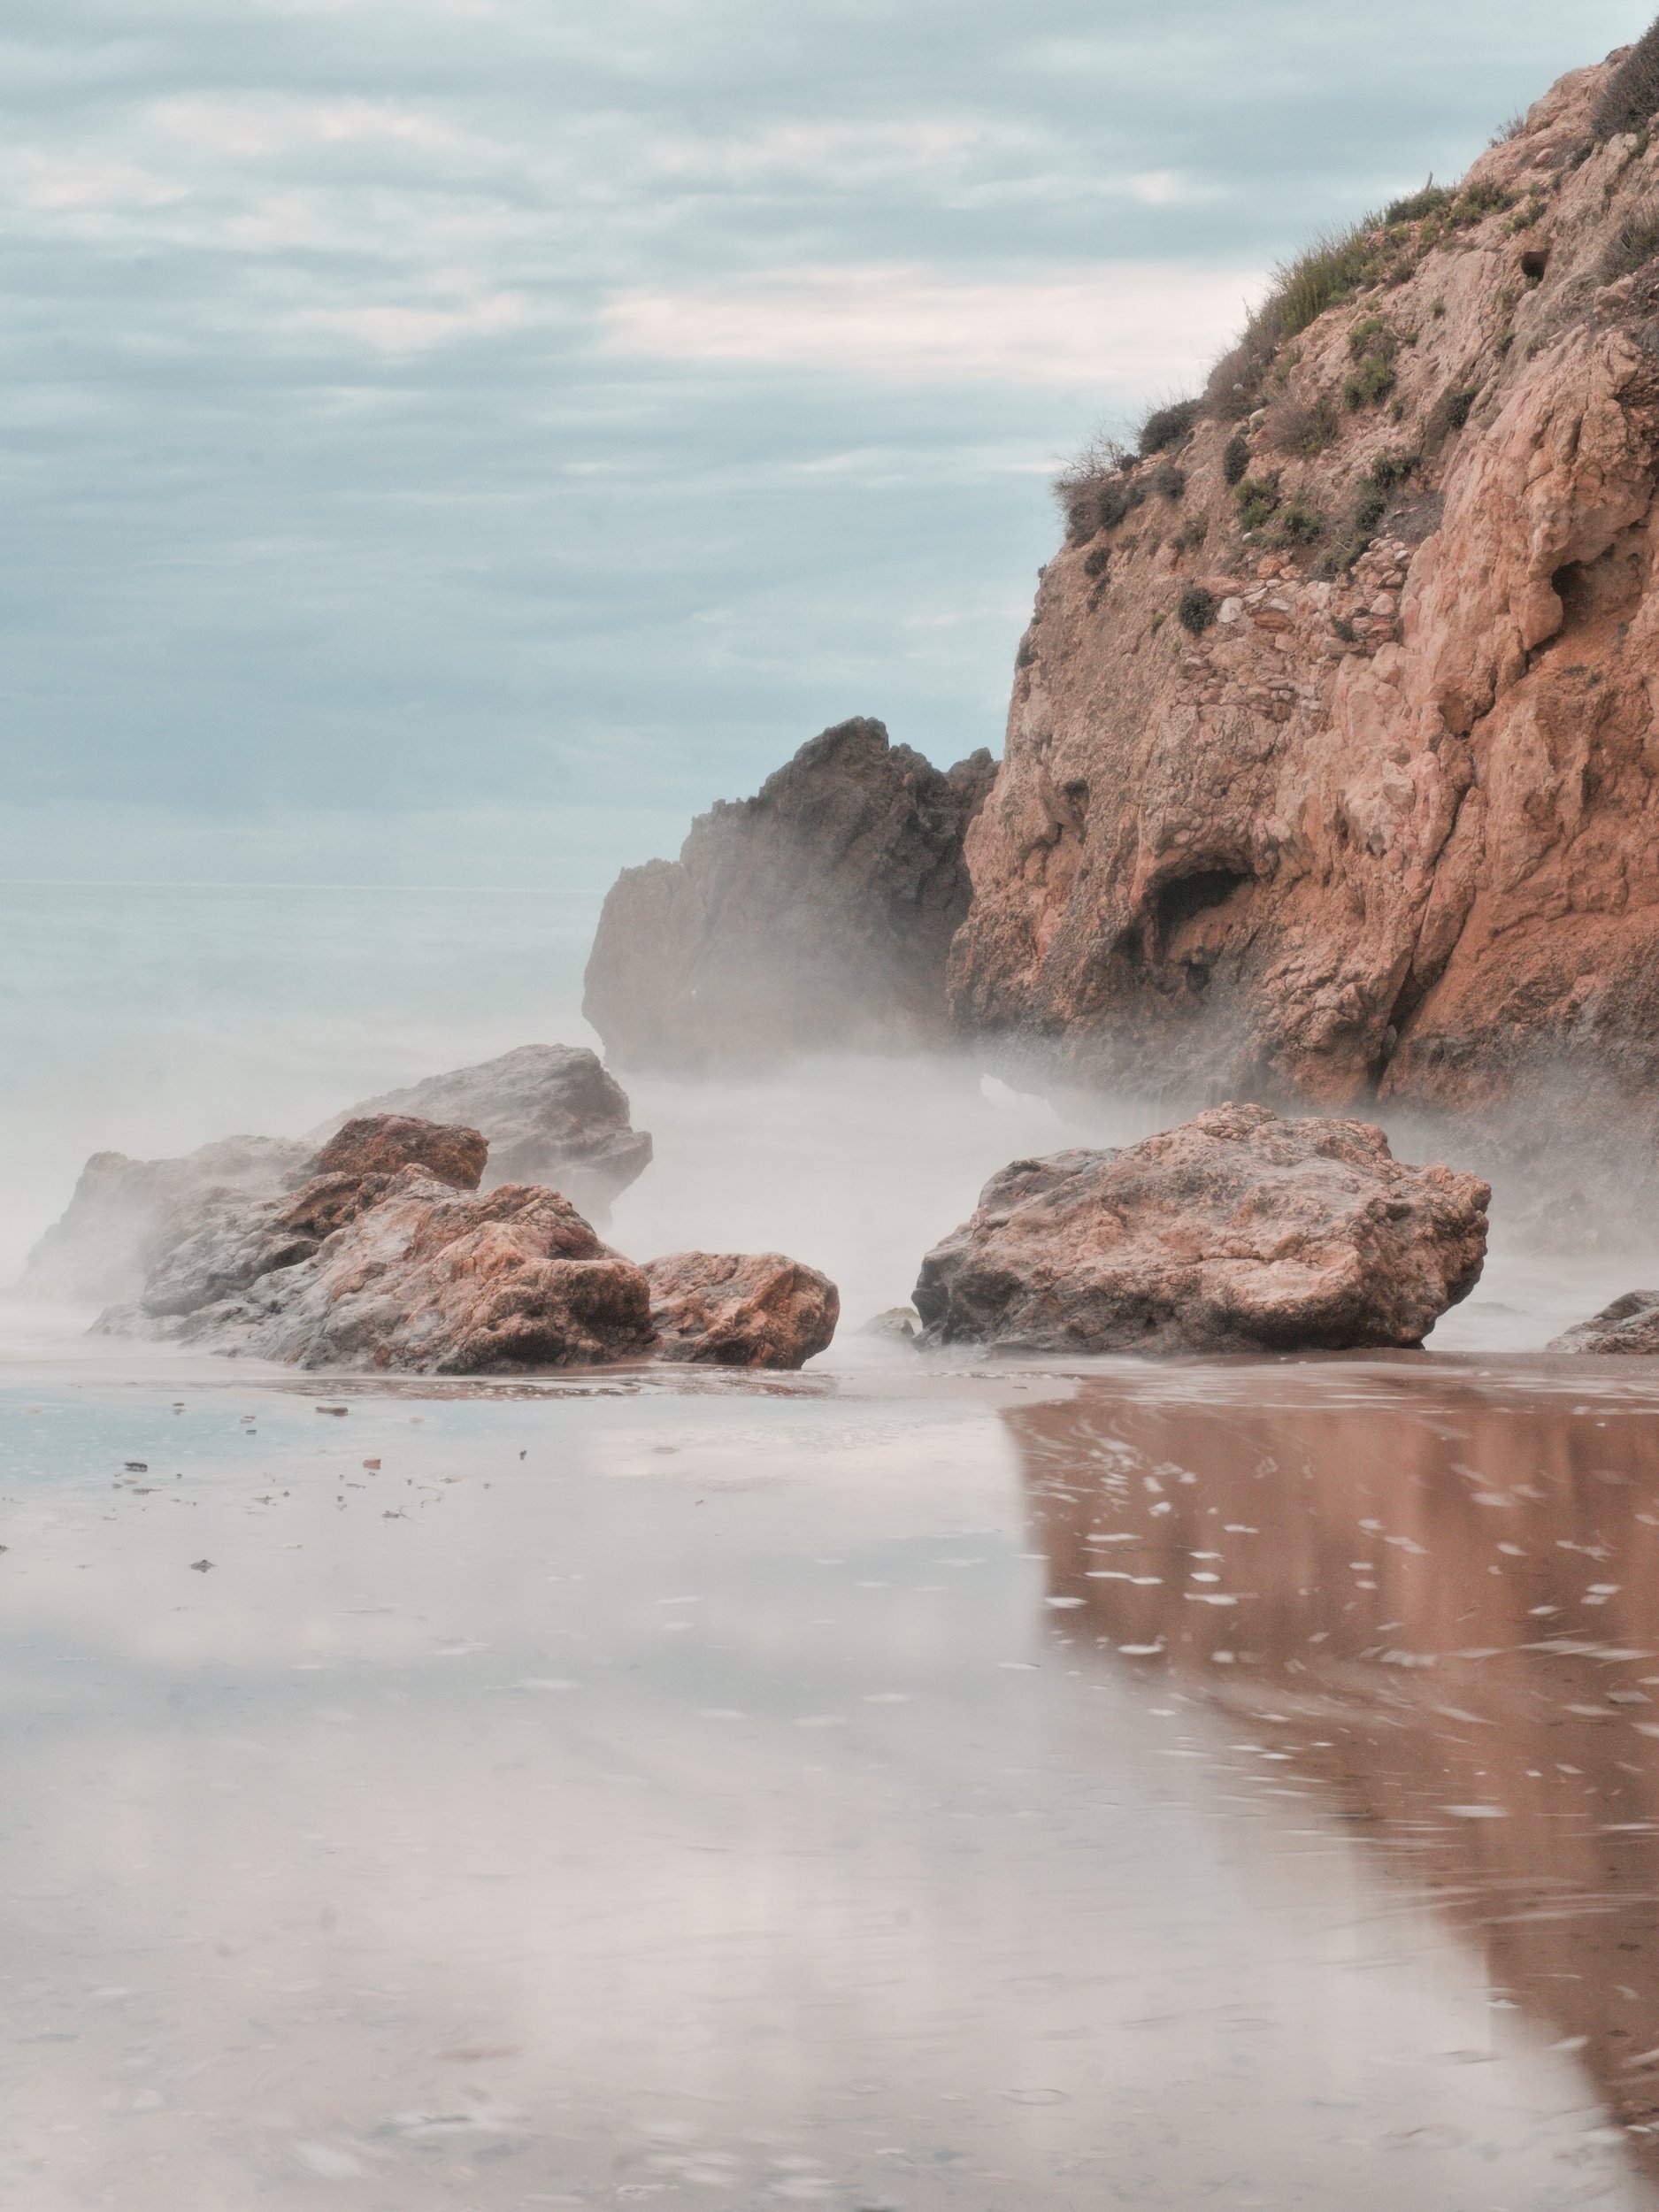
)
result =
(1330, 270)
(1631, 96)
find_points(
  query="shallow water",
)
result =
(904, 1785)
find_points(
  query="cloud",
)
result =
(1127, 323)
(393, 329)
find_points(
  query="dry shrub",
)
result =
(1298, 430)
(1634, 243)
(1631, 96)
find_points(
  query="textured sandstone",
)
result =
(1630, 1324)
(820, 913)
(1236, 1231)
(737, 1309)
(549, 1114)
(381, 1144)
(1391, 826)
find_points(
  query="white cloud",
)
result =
(81, 185)
(392, 329)
(1147, 325)
(824, 151)
(251, 129)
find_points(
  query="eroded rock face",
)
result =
(1392, 823)
(549, 1114)
(740, 1309)
(1630, 1324)
(389, 1259)
(817, 914)
(1237, 1231)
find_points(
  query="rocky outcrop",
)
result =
(1236, 1231)
(1630, 1324)
(551, 1114)
(1331, 764)
(390, 1258)
(817, 914)
(734, 1310)
(548, 1114)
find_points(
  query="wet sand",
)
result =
(901, 1785)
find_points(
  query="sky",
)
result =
(458, 440)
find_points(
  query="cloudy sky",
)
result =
(469, 435)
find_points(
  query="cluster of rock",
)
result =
(549, 1114)
(389, 1256)
(817, 915)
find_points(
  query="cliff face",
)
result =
(1331, 763)
(817, 914)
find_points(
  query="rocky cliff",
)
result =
(817, 914)
(1331, 766)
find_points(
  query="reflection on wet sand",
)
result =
(1432, 1592)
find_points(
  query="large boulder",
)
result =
(388, 1259)
(740, 1309)
(549, 1114)
(1630, 1324)
(817, 914)
(1237, 1231)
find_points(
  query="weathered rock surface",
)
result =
(738, 1309)
(1236, 1231)
(549, 1114)
(390, 1258)
(1631, 1324)
(817, 914)
(381, 1144)
(1278, 818)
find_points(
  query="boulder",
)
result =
(816, 915)
(1238, 1231)
(1631, 1324)
(738, 1309)
(385, 1261)
(549, 1114)
(125, 1213)
(398, 1272)
(381, 1144)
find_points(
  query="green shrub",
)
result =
(1343, 628)
(1299, 524)
(1169, 481)
(1634, 244)
(1389, 469)
(1631, 95)
(1329, 272)
(1291, 427)
(1257, 499)
(1430, 201)
(1459, 407)
(1373, 380)
(1197, 609)
(1372, 335)
(1370, 508)
(1192, 532)
(1093, 491)
(1235, 460)
(1476, 202)
(1026, 654)
(1167, 426)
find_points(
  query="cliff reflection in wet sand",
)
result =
(1432, 1594)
